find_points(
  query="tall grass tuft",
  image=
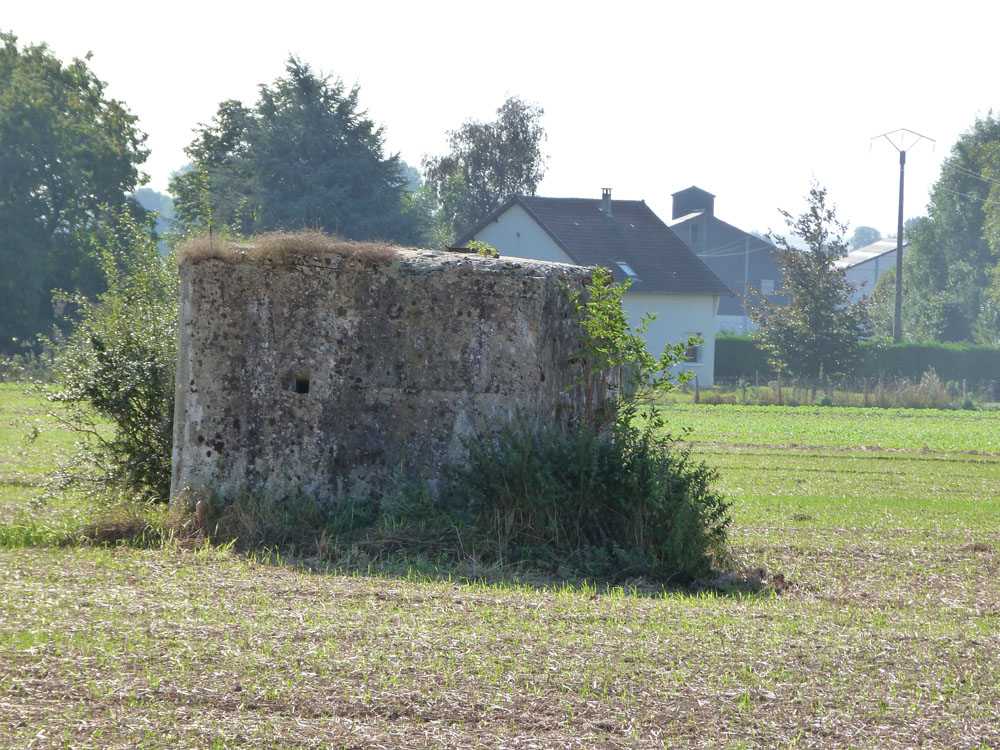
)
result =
(599, 505)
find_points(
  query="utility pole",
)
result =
(746, 283)
(900, 135)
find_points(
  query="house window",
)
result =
(632, 275)
(767, 286)
(694, 234)
(694, 353)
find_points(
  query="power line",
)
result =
(970, 173)
(984, 201)
(731, 254)
(720, 250)
(724, 246)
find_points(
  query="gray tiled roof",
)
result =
(633, 235)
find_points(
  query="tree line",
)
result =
(304, 155)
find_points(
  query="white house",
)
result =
(864, 265)
(668, 279)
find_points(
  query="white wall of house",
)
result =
(516, 234)
(677, 317)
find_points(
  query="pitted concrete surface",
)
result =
(329, 373)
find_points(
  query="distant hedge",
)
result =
(972, 362)
(739, 357)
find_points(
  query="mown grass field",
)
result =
(877, 532)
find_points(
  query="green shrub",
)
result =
(484, 248)
(614, 495)
(118, 366)
(619, 377)
(601, 505)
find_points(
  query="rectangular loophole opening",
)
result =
(302, 384)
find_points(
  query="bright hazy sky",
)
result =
(748, 100)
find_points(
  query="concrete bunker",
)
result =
(311, 364)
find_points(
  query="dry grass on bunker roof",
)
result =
(284, 247)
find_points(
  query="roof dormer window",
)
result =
(632, 275)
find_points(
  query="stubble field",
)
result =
(876, 532)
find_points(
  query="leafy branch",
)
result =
(619, 374)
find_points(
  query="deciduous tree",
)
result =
(67, 152)
(864, 236)
(488, 163)
(987, 330)
(306, 155)
(819, 331)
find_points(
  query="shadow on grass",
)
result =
(432, 550)
(407, 566)
(430, 545)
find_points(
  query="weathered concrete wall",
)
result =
(403, 353)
